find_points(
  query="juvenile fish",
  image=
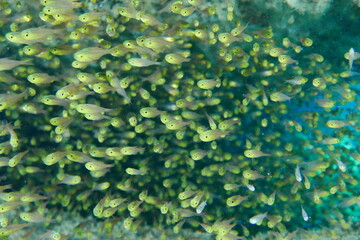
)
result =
(8, 64)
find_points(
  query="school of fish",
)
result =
(172, 119)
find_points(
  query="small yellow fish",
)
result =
(271, 199)
(133, 171)
(8, 64)
(276, 52)
(228, 38)
(208, 84)
(54, 157)
(298, 80)
(32, 197)
(95, 165)
(201, 207)
(60, 121)
(8, 206)
(132, 150)
(91, 108)
(306, 42)
(201, 33)
(212, 135)
(325, 102)
(40, 79)
(15, 37)
(158, 44)
(109, 212)
(34, 49)
(195, 201)
(91, 54)
(4, 221)
(53, 100)
(128, 12)
(98, 209)
(139, 62)
(14, 140)
(198, 154)
(239, 29)
(304, 214)
(51, 235)
(352, 56)
(33, 217)
(175, 58)
(341, 165)
(150, 112)
(7, 100)
(330, 141)
(176, 124)
(165, 207)
(86, 77)
(91, 16)
(39, 34)
(279, 97)
(227, 124)
(17, 158)
(128, 222)
(149, 19)
(286, 59)
(257, 219)
(315, 57)
(13, 228)
(62, 50)
(338, 124)
(79, 157)
(235, 200)
(252, 175)
(230, 186)
(255, 154)
(116, 202)
(187, 194)
(187, 11)
(69, 179)
(318, 82)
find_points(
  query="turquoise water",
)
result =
(177, 120)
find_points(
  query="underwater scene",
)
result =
(180, 119)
